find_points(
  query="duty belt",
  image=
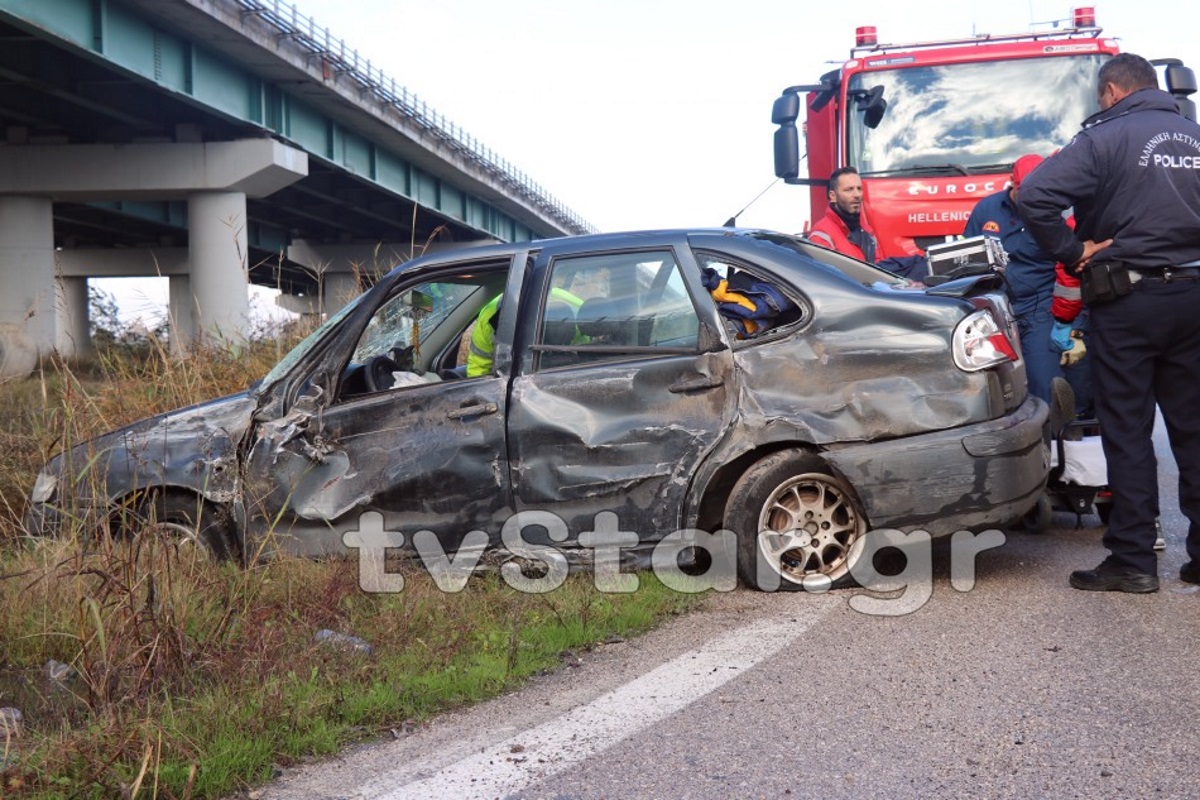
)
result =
(1165, 274)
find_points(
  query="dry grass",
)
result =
(145, 669)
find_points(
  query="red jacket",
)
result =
(1067, 301)
(831, 231)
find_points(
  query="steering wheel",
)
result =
(377, 372)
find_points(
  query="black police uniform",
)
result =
(1133, 176)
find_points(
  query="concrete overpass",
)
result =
(219, 143)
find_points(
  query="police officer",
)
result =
(1133, 177)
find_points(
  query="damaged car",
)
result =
(694, 380)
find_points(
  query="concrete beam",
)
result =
(133, 262)
(159, 171)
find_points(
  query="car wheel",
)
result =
(1104, 511)
(189, 521)
(798, 525)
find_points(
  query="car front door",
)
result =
(403, 436)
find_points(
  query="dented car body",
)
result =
(610, 380)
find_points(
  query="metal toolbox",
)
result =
(967, 256)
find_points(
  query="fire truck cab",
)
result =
(932, 127)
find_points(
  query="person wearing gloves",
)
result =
(1030, 276)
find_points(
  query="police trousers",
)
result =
(1146, 347)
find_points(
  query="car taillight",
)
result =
(980, 342)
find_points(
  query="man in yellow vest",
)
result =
(483, 337)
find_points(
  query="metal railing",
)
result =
(339, 59)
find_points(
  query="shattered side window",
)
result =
(417, 335)
(750, 306)
(613, 305)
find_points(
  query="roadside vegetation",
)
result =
(140, 668)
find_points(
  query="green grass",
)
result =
(212, 705)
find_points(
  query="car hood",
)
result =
(193, 448)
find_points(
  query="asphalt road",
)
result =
(1021, 687)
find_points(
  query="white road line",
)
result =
(552, 747)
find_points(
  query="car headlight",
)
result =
(43, 487)
(980, 342)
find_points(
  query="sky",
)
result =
(656, 113)
(642, 114)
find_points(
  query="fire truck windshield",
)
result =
(970, 118)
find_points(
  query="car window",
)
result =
(417, 336)
(750, 305)
(613, 305)
(852, 268)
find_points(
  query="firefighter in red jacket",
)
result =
(843, 227)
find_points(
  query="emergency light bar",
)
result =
(1083, 18)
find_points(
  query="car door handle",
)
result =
(695, 384)
(473, 411)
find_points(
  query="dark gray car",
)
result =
(616, 376)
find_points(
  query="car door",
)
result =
(394, 436)
(622, 389)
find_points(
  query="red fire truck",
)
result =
(934, 126)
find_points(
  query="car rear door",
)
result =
(622, 385)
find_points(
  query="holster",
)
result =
(1104, 282)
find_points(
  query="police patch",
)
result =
(991, 227)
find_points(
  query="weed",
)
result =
(143, 668)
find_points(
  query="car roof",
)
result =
(582, 241)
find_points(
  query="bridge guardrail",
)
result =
(337, 57)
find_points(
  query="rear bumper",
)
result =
(970, 478)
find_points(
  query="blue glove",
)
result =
(1060, 336)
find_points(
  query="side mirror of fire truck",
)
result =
(784, 113)
(1181, 82)
(873, 105)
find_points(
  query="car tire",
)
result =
(189, 520)
(1104, 511)
(799, 526)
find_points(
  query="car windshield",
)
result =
(970, 118)
(288, 361)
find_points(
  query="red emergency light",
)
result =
(1084, 17)
(864, 36)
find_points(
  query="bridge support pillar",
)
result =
(27, 293)
(219, 278)
(73, 328)
(179, 313)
